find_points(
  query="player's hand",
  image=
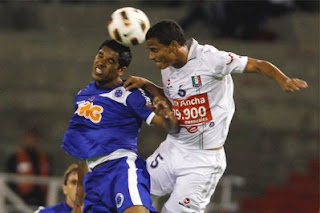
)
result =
(161, 107)
(293, 84)
(133, 82)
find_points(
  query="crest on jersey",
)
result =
(119, 199)
(118, 93)
(196, 81)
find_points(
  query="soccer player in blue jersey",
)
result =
(70, 180)
(103, 131)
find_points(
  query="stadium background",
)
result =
(46, 53)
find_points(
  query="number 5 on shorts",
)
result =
(155, 163)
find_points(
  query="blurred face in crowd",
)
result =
(31, 138)
(105, 70)
(70, 188)
(163, 55)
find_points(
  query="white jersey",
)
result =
(201, 93)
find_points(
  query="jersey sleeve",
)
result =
(224, 63)
(137, 101)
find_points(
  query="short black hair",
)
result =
(166, 31)
(125, 55)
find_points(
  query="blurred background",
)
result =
(46, 53)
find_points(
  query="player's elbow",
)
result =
(256, 65)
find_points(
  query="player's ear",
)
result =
(122, 71)
(173, 46)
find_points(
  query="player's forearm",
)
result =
(153, 89)
(172, 124)
(164, 115)
(266, 68)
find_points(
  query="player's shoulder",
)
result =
(49, 209)
(139, 92)
(138, 95)
(202, 48)
(134, 91)
(88, 89)
(209, 49)
(118, 94)
(203, 52)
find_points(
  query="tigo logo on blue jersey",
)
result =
(89, 111)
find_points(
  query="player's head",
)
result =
(166, 31)
(163, 41)
(110, 62)
(69, 186)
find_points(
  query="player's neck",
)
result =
(69, 202)
(110, 84)
(182, 57)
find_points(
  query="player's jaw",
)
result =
(158, 53)
(98, 72)
(162, 61)
(161, 64)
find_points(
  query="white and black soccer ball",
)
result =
(128, 26)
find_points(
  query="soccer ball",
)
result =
(128, 26)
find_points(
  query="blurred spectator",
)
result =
(69, 188)
(237, 19)
(308, 6)
(20, 15)
(245, 19)
(197, 10)
(29, 160)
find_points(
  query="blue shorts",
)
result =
(117, 185)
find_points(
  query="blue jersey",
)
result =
(62, 207)
(105, 120)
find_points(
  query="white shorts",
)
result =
(191, 176)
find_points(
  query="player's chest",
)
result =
(98, 108)
(193, 80)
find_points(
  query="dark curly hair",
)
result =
(125, 55)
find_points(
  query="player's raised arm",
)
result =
(133, 82)
(164, 115)
(264, 67)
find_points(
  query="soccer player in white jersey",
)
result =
(197, 81)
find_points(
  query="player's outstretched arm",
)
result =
(264, 67)
(133, 82)
(164, 115)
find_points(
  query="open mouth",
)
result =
(98, 71)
